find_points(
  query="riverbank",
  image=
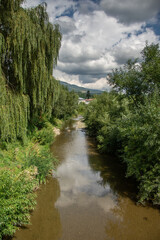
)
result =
(89, 197)
(23, 167)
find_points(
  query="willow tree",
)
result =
(29, 47)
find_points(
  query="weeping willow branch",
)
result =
(29, 48)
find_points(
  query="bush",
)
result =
(109, 139)
(40, 157)
(16, 199)
(57, 122)
(141, 146)
(45, 135)
(134, 134)
(22, 168)
(102, 119)
(150, 185)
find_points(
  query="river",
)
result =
(88, 197)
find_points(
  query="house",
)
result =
(82, 100)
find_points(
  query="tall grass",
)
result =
(22, 168)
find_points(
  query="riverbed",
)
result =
(88, 197)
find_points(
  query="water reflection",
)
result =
(79, 185)
(94, 185)
(89, 197)
(133, 222)
(111, 172)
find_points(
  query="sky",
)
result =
(100, 35)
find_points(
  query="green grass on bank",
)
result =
(22, 168)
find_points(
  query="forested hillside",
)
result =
(126, 121)
(31, 101)
(81, 91)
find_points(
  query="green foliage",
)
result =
(29, 98)
(14, 114)
(150, 185)
(32, 154)
(138, 79)
(88, 95)
(127, 122)
(16, 199)
(128, 79)
(29, 47)
(21, 168)
(82, 108)
(151, 67)
(57, 122)
(103, 111)
(141, 134)
(44, 135)
(66, 104)
(40, 157)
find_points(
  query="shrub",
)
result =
(57, 122)
(45, 135)
(16, 199)
(40, 157)
(150, 185)
(141, 134)
(133, 132)
(22, 167)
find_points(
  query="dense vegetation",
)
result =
(31, 100)
(126, 121)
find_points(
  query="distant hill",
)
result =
(81, 90)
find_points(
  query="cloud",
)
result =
(87, 6)
(66, 24)
(31, 3)
(100, 84)
(69, 78)
(61, 7)
(86, 81)
(80, 186)
(129, 11)
(99, 36)
(54, 8)
(100, 47)
(131, 47)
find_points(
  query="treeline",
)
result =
(31, 102)
(126, 121)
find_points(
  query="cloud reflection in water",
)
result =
(78, 183)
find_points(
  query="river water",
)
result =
(88, 197)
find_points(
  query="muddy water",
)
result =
(88, 198)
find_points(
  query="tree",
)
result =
(138, 79)
(29, 47)
(127, 121)
(88, 95)
(151, 67)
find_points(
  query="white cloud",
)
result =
(98, 38)
(57, 8)
(100, 84)
(132, 47)
(80, 186)
(67, 24)
(87, 81)
(102, 44)
(31, 3)
(54, 8)
(62, 76)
